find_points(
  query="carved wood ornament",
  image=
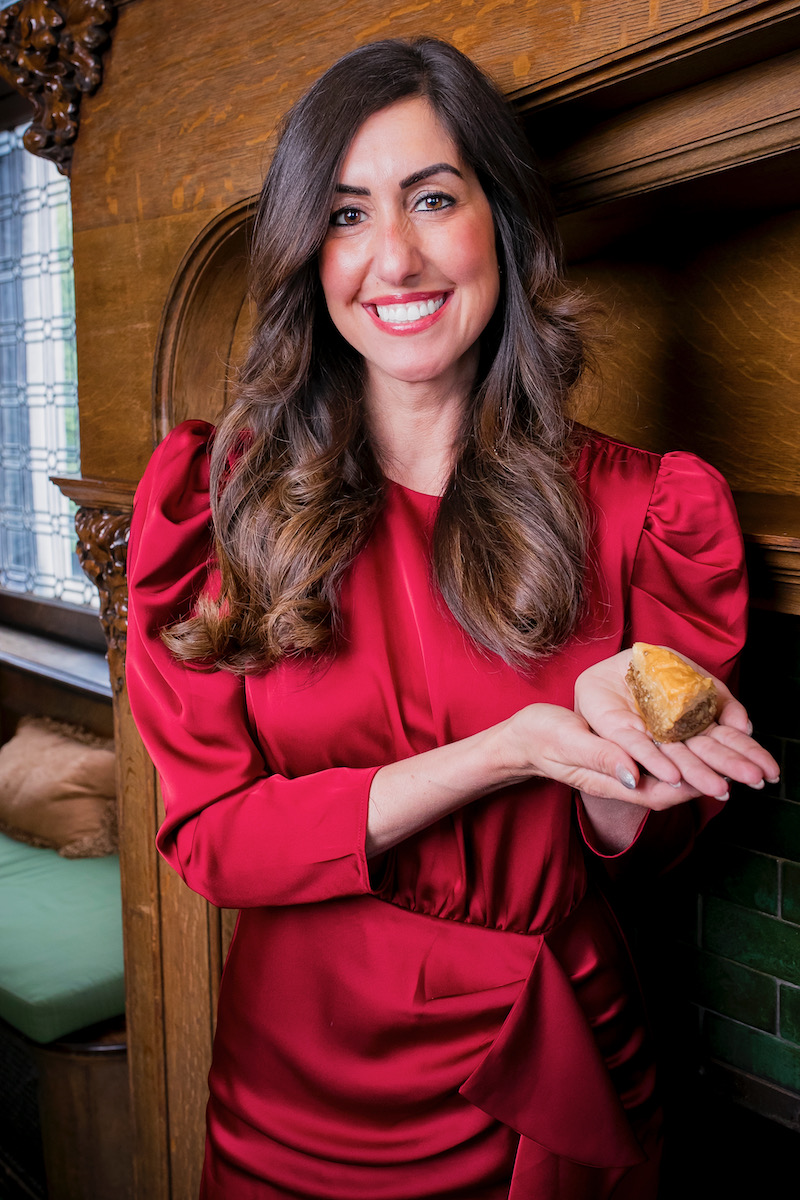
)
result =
(102, 552)
(50, 51)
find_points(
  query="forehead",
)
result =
(408, 135)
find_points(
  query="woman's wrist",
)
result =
(409, 795)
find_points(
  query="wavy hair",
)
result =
(296, 487)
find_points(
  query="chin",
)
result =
(435, 374)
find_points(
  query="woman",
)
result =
(375, 668)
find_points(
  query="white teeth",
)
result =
(398, 314)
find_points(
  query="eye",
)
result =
(347, 216)
(433, 202)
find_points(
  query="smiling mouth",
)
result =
(404, 314)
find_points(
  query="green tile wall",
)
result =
(745, 877)
(790, 1013)
(790, 892)
(746, 971)
(719, 942)
(758, 1053)
(765, 943)
(735, 991)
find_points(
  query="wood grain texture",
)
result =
(202, 330)
(112, 495)
(85, 1114)
(703, 348)
(186, 970)
(771, 524)
(740, 118)
(122, 279)
(201, 136)
(156, 160)
(770, 518)
(144, 990)
(22, 693)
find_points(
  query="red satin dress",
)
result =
(462, 1022)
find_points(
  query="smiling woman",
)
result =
(378, 630)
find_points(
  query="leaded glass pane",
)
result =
(38, 379)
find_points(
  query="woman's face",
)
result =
(408, 267)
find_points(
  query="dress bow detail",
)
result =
(544, 1074)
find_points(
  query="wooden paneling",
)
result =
(85, 1115)
(224, 74)
(122, 277)
(183, 123)
(773, 546)
(190, 972)
(144, 988)
(703, 320)
(740, 118)
(201, 334)
(22, 694)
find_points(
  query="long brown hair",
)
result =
(295, 485)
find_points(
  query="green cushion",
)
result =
(61, 964)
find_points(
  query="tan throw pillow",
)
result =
(58, 789)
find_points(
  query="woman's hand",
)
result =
(555, 743)
(674, 772)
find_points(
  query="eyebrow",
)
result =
(426, 172)
(409, 181)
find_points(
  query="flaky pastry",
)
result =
(675, 700)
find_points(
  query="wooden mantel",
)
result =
(771, 525)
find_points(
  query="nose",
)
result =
(397, 255)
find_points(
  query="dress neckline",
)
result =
(401, 487)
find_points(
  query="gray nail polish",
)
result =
(626, 779)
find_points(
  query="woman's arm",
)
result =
(540, 740)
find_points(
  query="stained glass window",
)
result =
(38, 379)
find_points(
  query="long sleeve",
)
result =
(238, 834)
(688, 590)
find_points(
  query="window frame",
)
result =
(55, 619)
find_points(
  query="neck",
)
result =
(415, 441)
(414, 428)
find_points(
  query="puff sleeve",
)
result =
(237, 834)
(689, 584)
(688, 590)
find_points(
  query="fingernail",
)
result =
(724, 796)
(749, 729)
(676, 785)
(777, 779)
(626, 779)
(757, 786)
